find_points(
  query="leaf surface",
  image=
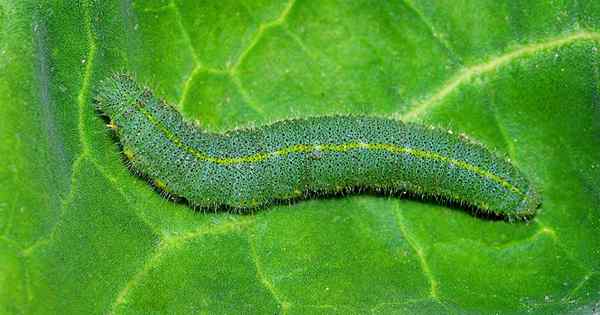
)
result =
(81, 234)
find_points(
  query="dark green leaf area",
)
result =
(81, 233)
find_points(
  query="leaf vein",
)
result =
(420, 107)
(411, 239)
(262, 28)
(186, 34)
(283, 304)
(170, 243)
(436, 36)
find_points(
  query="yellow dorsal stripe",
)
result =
(344, 147)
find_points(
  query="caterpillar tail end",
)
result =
(529, 205)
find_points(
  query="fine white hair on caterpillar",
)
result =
(295, 158)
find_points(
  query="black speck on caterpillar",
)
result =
(293, 158)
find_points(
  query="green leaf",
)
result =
(81, 234)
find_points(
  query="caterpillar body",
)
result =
(294, 158)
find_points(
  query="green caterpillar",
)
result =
(294, 158)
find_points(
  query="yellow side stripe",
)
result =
(308, 148)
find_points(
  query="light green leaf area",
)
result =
(81, 234)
